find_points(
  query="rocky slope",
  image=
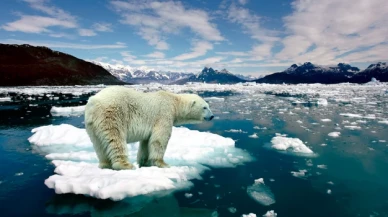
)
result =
(26, 65)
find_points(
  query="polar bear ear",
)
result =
(192, 103)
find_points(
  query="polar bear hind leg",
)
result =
(143, 153)
(109, 144)
(157, 146)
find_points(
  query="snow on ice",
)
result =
(290, 145)
(77, 171)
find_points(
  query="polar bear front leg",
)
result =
(157, 146)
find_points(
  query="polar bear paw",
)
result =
(122, 166)
(157, 163)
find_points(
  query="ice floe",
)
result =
(261, 193)
(77, 171)
(67, 111)
(290, 145)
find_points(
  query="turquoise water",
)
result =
(353, 166)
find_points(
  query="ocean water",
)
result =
(346, 176)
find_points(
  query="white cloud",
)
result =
(64, 45)
(251, 24)
(243, 2)
(51, 10)
(102, 27)
(86, 32)
(261, 51)
(334, 28)
(36, 24)
(233, 53)
(156, 20)
(156, 55)
(199, 48)
(41, 24)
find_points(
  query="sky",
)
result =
(253, 37)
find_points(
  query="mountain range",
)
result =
(22, 65)
(310, 73)
(26, 65)
(143, 75)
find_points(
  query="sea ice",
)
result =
(77, 171)
(5, 99)
(253, 136)
(353, 127)
(334, 134)
(249, 215)
(383, 122)
(293, 145)
(325, 120)
(67, 111)
(214, 99)
(235, 131)
(300, 174)
(261, 193)
(270, 213)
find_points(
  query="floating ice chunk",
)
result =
(383, 122)
(261, 193)
(5, 99)
(254, 136)
(214, 99)
(249, 215)
(259, 128)
(319, 101)
(325, 120)
(334, 134)
(235, 131)
(328, 191)
(270, 213)
(351, 115)
(232, 209)
(67, 111)
(294, 145)
(300, 174)
(322, 166)
(77, 171)
(353, 127)
(188, 195)
(259, 181)
(19, 174)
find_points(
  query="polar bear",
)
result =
(119, 115)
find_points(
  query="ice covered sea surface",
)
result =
(299, 164)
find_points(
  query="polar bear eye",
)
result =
(204, 107)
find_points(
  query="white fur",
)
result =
(118, 115)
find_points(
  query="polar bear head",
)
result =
(197, 109)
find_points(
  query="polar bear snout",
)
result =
(209, 116)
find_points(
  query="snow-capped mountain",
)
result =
(310, 73)
(378, 71)
(247, 77)
(209, 75)
(142, 75)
